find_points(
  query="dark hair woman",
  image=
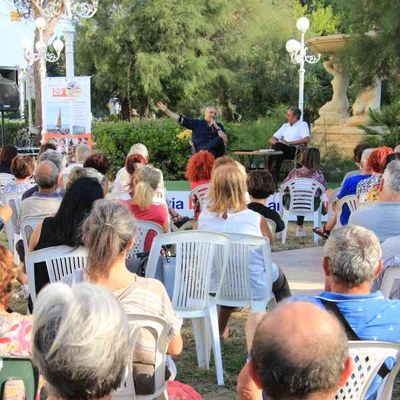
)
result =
(65, 227)
(6, 156)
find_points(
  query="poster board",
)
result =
(66, 112)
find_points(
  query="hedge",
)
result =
(167, 151)
(12, 127)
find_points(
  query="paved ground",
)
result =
(303, 269)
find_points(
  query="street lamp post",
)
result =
(298, 55)
(40, 55)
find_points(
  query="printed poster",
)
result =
(66, 112)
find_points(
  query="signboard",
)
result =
(66, 112)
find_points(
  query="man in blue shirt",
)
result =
(207, 133)
(352, 259)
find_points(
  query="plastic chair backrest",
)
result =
(4, 179)
(60, 265)
(201, 193)
(12, 200)
(16, 368)
(351, 202)
(159, 326)
(302, 193)
(140, 237)
(368, 357)
(43, 255)
(235, 282)
(195, 252)
(271, 225)
(390, 276)
(26, 228)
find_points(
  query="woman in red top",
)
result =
(143, 187)
(198, 172)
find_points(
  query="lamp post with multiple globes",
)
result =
(298, 55)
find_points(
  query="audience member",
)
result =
(227, 212)
(65, 227)
(82, 152)
(349, 188)
(142, 206)
(310, 168)
(260, 185)
(80, 172)
(49, 155)
(287, 139)
(15, 329)
(6, 156)
(298, 351)
(352, 259)
(81, 341)
(99, 162)
(46, 200)
(123, 178)
(198, 172)
(108, 234)
(370, 189)
(383, 217)
(21, 168)
(46, 146)
(357, 153)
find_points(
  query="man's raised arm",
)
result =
(168, 112)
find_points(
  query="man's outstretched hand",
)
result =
(162, 106)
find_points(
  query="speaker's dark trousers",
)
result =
(275, 162)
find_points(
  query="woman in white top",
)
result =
(227, 212)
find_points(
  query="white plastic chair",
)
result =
(60, 261)
(159, 326)
(195, 252)
(140, 237)
(351, 202)
(271, 225)
(13, 200)
(235, 286)
(26, 229)
(4, 179)
(368, 357)
(201, 193)
(302, 193)
(331, 199)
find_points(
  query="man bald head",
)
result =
(300, 351)
(46, 175)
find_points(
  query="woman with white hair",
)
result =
(80, 341)
(108, 234)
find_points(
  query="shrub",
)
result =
(12, 127)
(334, 165)
(167, 151)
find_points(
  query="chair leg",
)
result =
(200, 338)
(317, 222)
(285, 221)
(213, 318)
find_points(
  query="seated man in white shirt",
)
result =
(287, 139)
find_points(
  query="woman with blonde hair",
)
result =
(227, 212)
(143, 188)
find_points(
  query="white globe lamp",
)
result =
(303, 24)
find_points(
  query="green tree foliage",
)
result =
(190, 53)
(375, 27)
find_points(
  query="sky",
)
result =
(11, 36)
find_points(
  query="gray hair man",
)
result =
(299, 351)
(46, 200)
(383, 217)
(80, 341)
(82, 152)
(49, 155)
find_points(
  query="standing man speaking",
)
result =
(207, 133)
